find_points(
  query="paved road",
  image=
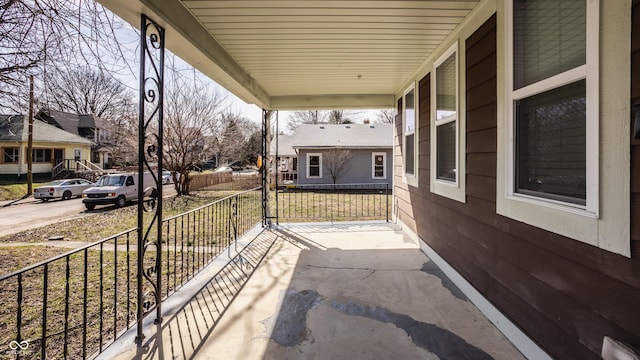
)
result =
(31, 213)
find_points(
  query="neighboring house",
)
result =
(315, 152)
(51, 146)
(286, 164)
(88, 126)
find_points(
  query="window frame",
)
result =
(17, 156)
(410, 178)
(308, 174)
(590, 72)
(34, 158)
(609, 35)
(451, 189)
(373, 165)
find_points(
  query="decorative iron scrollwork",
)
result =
(150, 124)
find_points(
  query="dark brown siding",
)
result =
(566, 295)
(635, 143)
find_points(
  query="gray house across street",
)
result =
(336, 154)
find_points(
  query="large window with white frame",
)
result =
(314, 165)
(378, 165)
(447, 124)
(409, 121)
(553, 97)
(446, 115)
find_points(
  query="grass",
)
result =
(14, 191)
(296, 206)
(191, 242)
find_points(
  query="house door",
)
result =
(58, 156)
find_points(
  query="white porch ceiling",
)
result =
(308, 54)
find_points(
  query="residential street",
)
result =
(31, 213)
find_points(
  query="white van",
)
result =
(117, 189)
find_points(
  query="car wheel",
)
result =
(121, 201)
(44, 199)
(66, 195)
(90, 206)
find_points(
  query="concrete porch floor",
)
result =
(336, 291)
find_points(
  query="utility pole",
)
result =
(30, 141)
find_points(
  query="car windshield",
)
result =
(111, 181)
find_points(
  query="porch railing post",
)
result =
(150, 150)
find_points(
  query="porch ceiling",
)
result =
(308, 54)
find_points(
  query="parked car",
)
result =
(118, 189)
(64, 189)
(166, 177)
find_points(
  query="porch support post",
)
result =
(150, 123)
(266, 166)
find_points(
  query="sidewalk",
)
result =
(29, 199)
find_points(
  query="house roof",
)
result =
(312, 54)
(321, 136)
(12, 128)
(68, 121)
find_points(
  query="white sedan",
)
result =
(64, 189)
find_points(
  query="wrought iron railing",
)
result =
(332, 202)
(75, 304)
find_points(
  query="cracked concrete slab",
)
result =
(351, 293)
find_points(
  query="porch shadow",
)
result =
(345, 292)
(192, 313)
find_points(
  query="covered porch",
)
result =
(358, 290)
(543, 244)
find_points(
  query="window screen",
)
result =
(446, 141)
(446, 118)
(409, 166)
(551, 144)
(549, 38)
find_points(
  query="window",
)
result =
(41, 155)
(10, 154)
(409, 134)
(379, 165)
(295, 164)
(566, 86)
(446, 115)
(314, 165)
(447, 124)
(552, 106)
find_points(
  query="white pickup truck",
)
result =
(117, 189)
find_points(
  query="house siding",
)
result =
(357, 171)
(566, 295)
(20, 169)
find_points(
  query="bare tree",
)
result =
(320, 117)
(335, 161)
(236, 142)
(190, 114)
(39, 35)
(305, 117)
(342, 116)
(386, 116)
(89, 90)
